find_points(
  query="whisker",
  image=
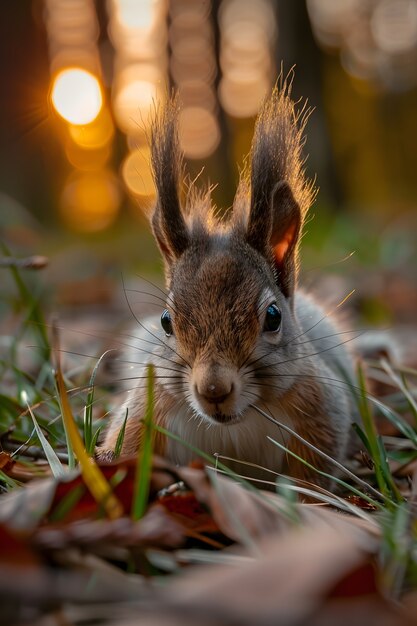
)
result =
(256, 383)
(303, 356)
(330, 383)
(167, 297)
(118, 341)
(332, 264)
(361, 331)
(247, 463)
(145, 363)
(126, 361)
(146, 280)
(327, 314)
(335, 382)
(156, 356)
(147, 329)
(153, 295)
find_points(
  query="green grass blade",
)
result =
(121, 436)
(359, 431)
(10, 482)
(95, 437)
(402, 385)
(35, 314)
(381, 470)
(399, 423)
(387, 471)
(70, 449)
(55, 464)
(339, 481)
(335, 501)
(88, 410)
(88, 424)
(144, 465)
(319, 452)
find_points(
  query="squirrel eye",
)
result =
(272, 319)
(166, 322)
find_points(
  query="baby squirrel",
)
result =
(236, 334)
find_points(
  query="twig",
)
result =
(36, 262)
(33, 452)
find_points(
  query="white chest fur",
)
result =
(246, 441)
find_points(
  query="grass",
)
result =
(144, 464)
(45, 407)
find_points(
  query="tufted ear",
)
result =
(285, 233)
(168, 221)
(274, 229)
(280, 195)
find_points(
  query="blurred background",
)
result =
(79, 82)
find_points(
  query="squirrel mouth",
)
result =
(221, 418)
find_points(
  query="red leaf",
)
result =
(359, 582)
(14, 551)
(190, 512)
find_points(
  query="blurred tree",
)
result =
(27, 145)
(297, 47)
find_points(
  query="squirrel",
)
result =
(237, 339)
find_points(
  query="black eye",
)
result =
(166, 323)
(272, 319)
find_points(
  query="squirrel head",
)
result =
(231, 284)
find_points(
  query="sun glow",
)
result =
(76, 96)
(90, 201)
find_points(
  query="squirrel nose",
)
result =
(213, 383)
(216, 393)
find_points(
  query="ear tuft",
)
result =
(280, 194)
(167, 161)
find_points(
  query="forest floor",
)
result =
(142, 542)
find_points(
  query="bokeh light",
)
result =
(95, 135)
(199, 132)
(87, 159)
(76, 96)
(137, 174)
(90, 201)
(193, 69)
(377, 40)
(134, 94)
(138, 33)
(248, 31)
(394, 25)
(113, 63)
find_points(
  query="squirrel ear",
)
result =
(169, 227)
(280, 193)
(285, 232)
(161, 239)
(168, 221)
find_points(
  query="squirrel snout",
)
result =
(213, 385)
(215, 393)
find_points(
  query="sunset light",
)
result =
(76, 96)
(90, 201)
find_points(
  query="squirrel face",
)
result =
(225, 312)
